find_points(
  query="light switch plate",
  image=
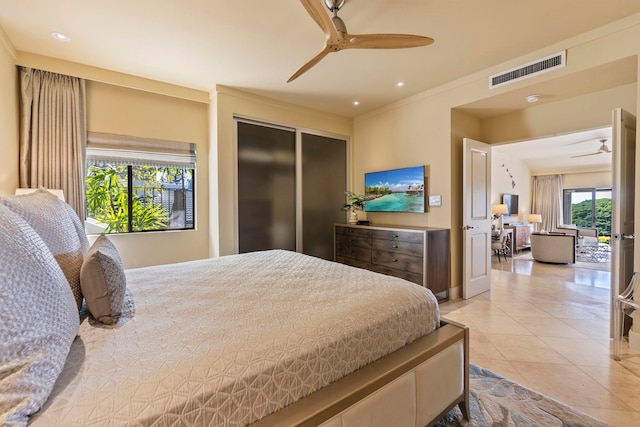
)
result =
(435, 200)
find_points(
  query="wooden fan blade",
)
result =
(384, 41)
(316, 9)
(313, 61)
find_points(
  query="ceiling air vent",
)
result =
(526, 71)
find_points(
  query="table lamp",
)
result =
(499, 211)
(535, 219)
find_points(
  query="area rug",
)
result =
(499, 402)
(601, 266)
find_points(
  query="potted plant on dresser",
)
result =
(356, 203)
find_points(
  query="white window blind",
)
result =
(136, 151)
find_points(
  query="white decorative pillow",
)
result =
(38, 320)
(103, 281)
(60, 229)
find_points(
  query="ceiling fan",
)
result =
(602, 150)
(338, 38)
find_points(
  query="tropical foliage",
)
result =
(107, 197)
(377, 191)
(581, 215)
(356, 202)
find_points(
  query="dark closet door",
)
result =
(266, 188)
(324, 181)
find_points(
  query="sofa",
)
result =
(556, 248)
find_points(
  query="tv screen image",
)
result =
(511, 200)
(397, 190)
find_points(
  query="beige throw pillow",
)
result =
(38, 320)
(60, 229)
(103, 281)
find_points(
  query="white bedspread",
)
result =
(227, 341)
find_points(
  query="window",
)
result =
(135, 184)
(589, 207)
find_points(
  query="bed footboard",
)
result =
(413, 386)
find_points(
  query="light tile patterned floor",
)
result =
(547, 327)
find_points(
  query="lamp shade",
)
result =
(499, 209)
(535, 218)
(58, 193)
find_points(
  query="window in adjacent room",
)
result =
(138, 184)
(591, 208)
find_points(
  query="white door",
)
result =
(623, 199)
(476, 217)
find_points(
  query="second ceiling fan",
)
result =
(602, 150)
(338, 38)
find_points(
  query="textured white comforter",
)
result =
(227, 341)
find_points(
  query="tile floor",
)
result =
(547, 327)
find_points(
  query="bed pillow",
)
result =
(60, 229)
(103, 281)
(38, 320)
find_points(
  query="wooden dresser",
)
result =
(418, 254)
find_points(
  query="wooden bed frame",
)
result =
(413, 386)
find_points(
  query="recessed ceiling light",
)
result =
(60, 37)
(356, 102)
(532, 98)
(400, 84)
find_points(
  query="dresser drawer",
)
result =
(352, 231)
(400, 247)
(354, 252)
(354, 262)
(403, 236)
(396, 261)
(353, 240)
(406, 275)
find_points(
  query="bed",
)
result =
(262, 339)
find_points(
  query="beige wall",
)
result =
(583, 112)
(587, 180)
(226, 103)
(124, 111)
(427, 130)
(506, 171)
(462, 126)
(8, 117)
(130, 105)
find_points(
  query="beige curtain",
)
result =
(53, 133)
(546, 200)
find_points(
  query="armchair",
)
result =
(553, 248)
(579, 232)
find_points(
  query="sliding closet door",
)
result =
(266, 188)
(324, 181)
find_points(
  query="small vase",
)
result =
(353, 218)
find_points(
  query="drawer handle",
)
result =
(394, 260)
(395, 235)
(351, 240)
(394, 246)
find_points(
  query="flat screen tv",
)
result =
(511, 200)
(396, 190)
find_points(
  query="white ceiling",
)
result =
(555, 154)
(256, 45)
